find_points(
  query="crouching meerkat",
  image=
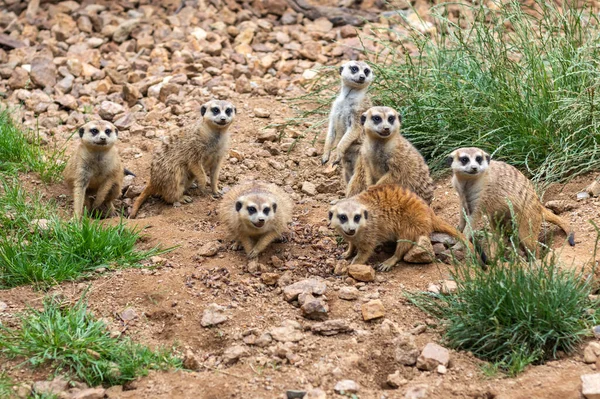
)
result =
(492, 188)
(344, 118)
(185, 157)
(95, 168)
(255, 214)
(388, 158)
(385, 213)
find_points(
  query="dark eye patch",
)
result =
(251, 210)
(392, 119)
(94, 131)
(479, 159)
(367, 71)
(228, 111)
(356, 218)
(215, 111)
(464, 160)
(343, 218)
(354, 69)
(108, 132)
(376, 119)
(266, 210)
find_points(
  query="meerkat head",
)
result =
(381, 122)
(219, 114)
(469, 162)
(256, 210)
(98, 135)
(348, 217)
(356, 74)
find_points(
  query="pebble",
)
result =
(590, 386)
(346, 386)
(348, 293)
(332, 327)
(361, 272)
(432, 356)
(262, 113)
(372, 310)
(309, 188)
(421, 252)
(213, 315)
(312, 286)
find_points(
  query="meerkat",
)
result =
(185, 158)
(383, 213)
(388, 158)
(344, 118)
(498, 190)
(95, 168)
(255, 214)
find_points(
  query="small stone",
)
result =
(190, 361)
(590, 386)
(309, 188)
(433, 288)
(418, 330)
(315, 309)
(89, 393)
(311, 50)
(442, 369)
(3, 306)
(269, 278)
(233, 354)
(18, 79)
(595, 329)
(583, 195)
(295, 394)
(131, 94)
(264, 340)
(55, 387)
(593, 189)
(346, 386)
(348, 293)
(309, 74)
(416, 392)
(449, 287)
(442, 238)
(432, 356)
(40, 224)
(209, 249)
(43, 72)
(406, 351)
(331, 327)
(268, 135)
(67, 101)
(124, 30)
(560, 206)
(316, 393)
(396, 380)
(129, 314)
(213, 315)
(591, 352)
(262, 113)
(312, 286)
(421, 252)
(361, 272)
(372, 310)
(286, 334)
(311, 152)
(108, 110)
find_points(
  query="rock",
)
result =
(433, 288)
(213, 315)
(108, 110)
(124, 30)
(560, 206)
(286, 334)
(416, 392)
(406, 351)
(361, 272)
(262, 113)
(18, 79)
(442, 369)
(264, 340)
(268, 135)
(593, 189)
(43, 72)
(396, 380)
(311, 286)
(418, 330)
(190, 361)
(269, 278)
(128, 314)
(131, 94)
(591, 352)
(311, 50)
(209, 249)
(442, 239)
(331, 327)
(316, 393)
(346, 386)
(168, 89)
(233, 354)
(449, 287)
(315, 309)
(3, 306)
(590, 386)
(67, 101)
(295, 394)
(422, 252)
(40, 224)
(595, 329)
(348, 293)
(583, 195)
(89, 393)
(432, 356)
(309, 188)
(372, 310)
(55, 387)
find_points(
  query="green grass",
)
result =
(525, 94)
(517, 312)
(6, 386)
(65, 250)
(20, 151)
(68, 339)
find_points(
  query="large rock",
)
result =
(89, 393)
(18, 79)
(361, 272)
(108, 110)
(43, 72)
(233, 354)
(591, 352)
(124, 30)
(314, 309)
(55, 387)
(406, 351)
(372, 310)
(131, 94)
(213, 315)
(432, 356)
(332, 327)
(590, 386)
(290, 331)
(311, 286)
(421, 252)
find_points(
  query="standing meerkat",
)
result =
(95, 168)
(177, 164)
(388, 158)
(498, 190)
(255, 214)
(344, 118)
(385, 213)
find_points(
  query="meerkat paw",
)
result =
(347, 254)
(217, 194)
(186, 199)
(236, 246)
(385, 266)
(325, 158)
(253, 254)
(337, 158)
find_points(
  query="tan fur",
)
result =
(487, 187)
(388, 158)
(185, 158)
(385, 213)
(344, 118)
(242, 225)
(95, 168)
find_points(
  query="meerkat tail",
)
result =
(127, 172)
(560, 222)
(148, 191)
(440, 226)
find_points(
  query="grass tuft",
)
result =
(68, 339)
(6, 386)
(61, 250)
(20, 151)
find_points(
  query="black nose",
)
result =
(473, 168)
(386, 129)
(223, 118)
(102, 138)
(352, 231)
(261, 219)
(361, 79)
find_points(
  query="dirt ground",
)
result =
(170, 298)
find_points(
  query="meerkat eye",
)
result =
(392, 119)
(343, 218)
(479, 159)
(251, 210)
(228, 111)
(215, 110)
(94, 131)
(353, 69)
(108, 131)
(266, 211)
(464, 160)
(377, 119)
(356, 218)
(367, 71)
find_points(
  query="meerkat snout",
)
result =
(381, 121)
(469, 161)
(221, 113)
(257, 211)
(99, 134)
(356, 74)
(347, 217)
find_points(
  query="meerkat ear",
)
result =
(234, 110)
(203, 110)
(274, 207)
(341, 69)
(399, 118)
(449, 160)
(116, 131)
(487, 157)
(238, 206)
(366, 214)
(330, 216)
(81, 131)
(363, 119)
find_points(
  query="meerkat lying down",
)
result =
(255, 214)
(385, 213)
(177, 164)
(492, 188)
(95, 168)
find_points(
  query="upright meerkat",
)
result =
(385, 213)
(95, 168)
(492, 188)
(184, 158)
(344, 119)
(388, 158)
(255, 214)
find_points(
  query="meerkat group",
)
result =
(388, 185)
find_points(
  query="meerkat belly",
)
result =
(378, 161)
(100, 171)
